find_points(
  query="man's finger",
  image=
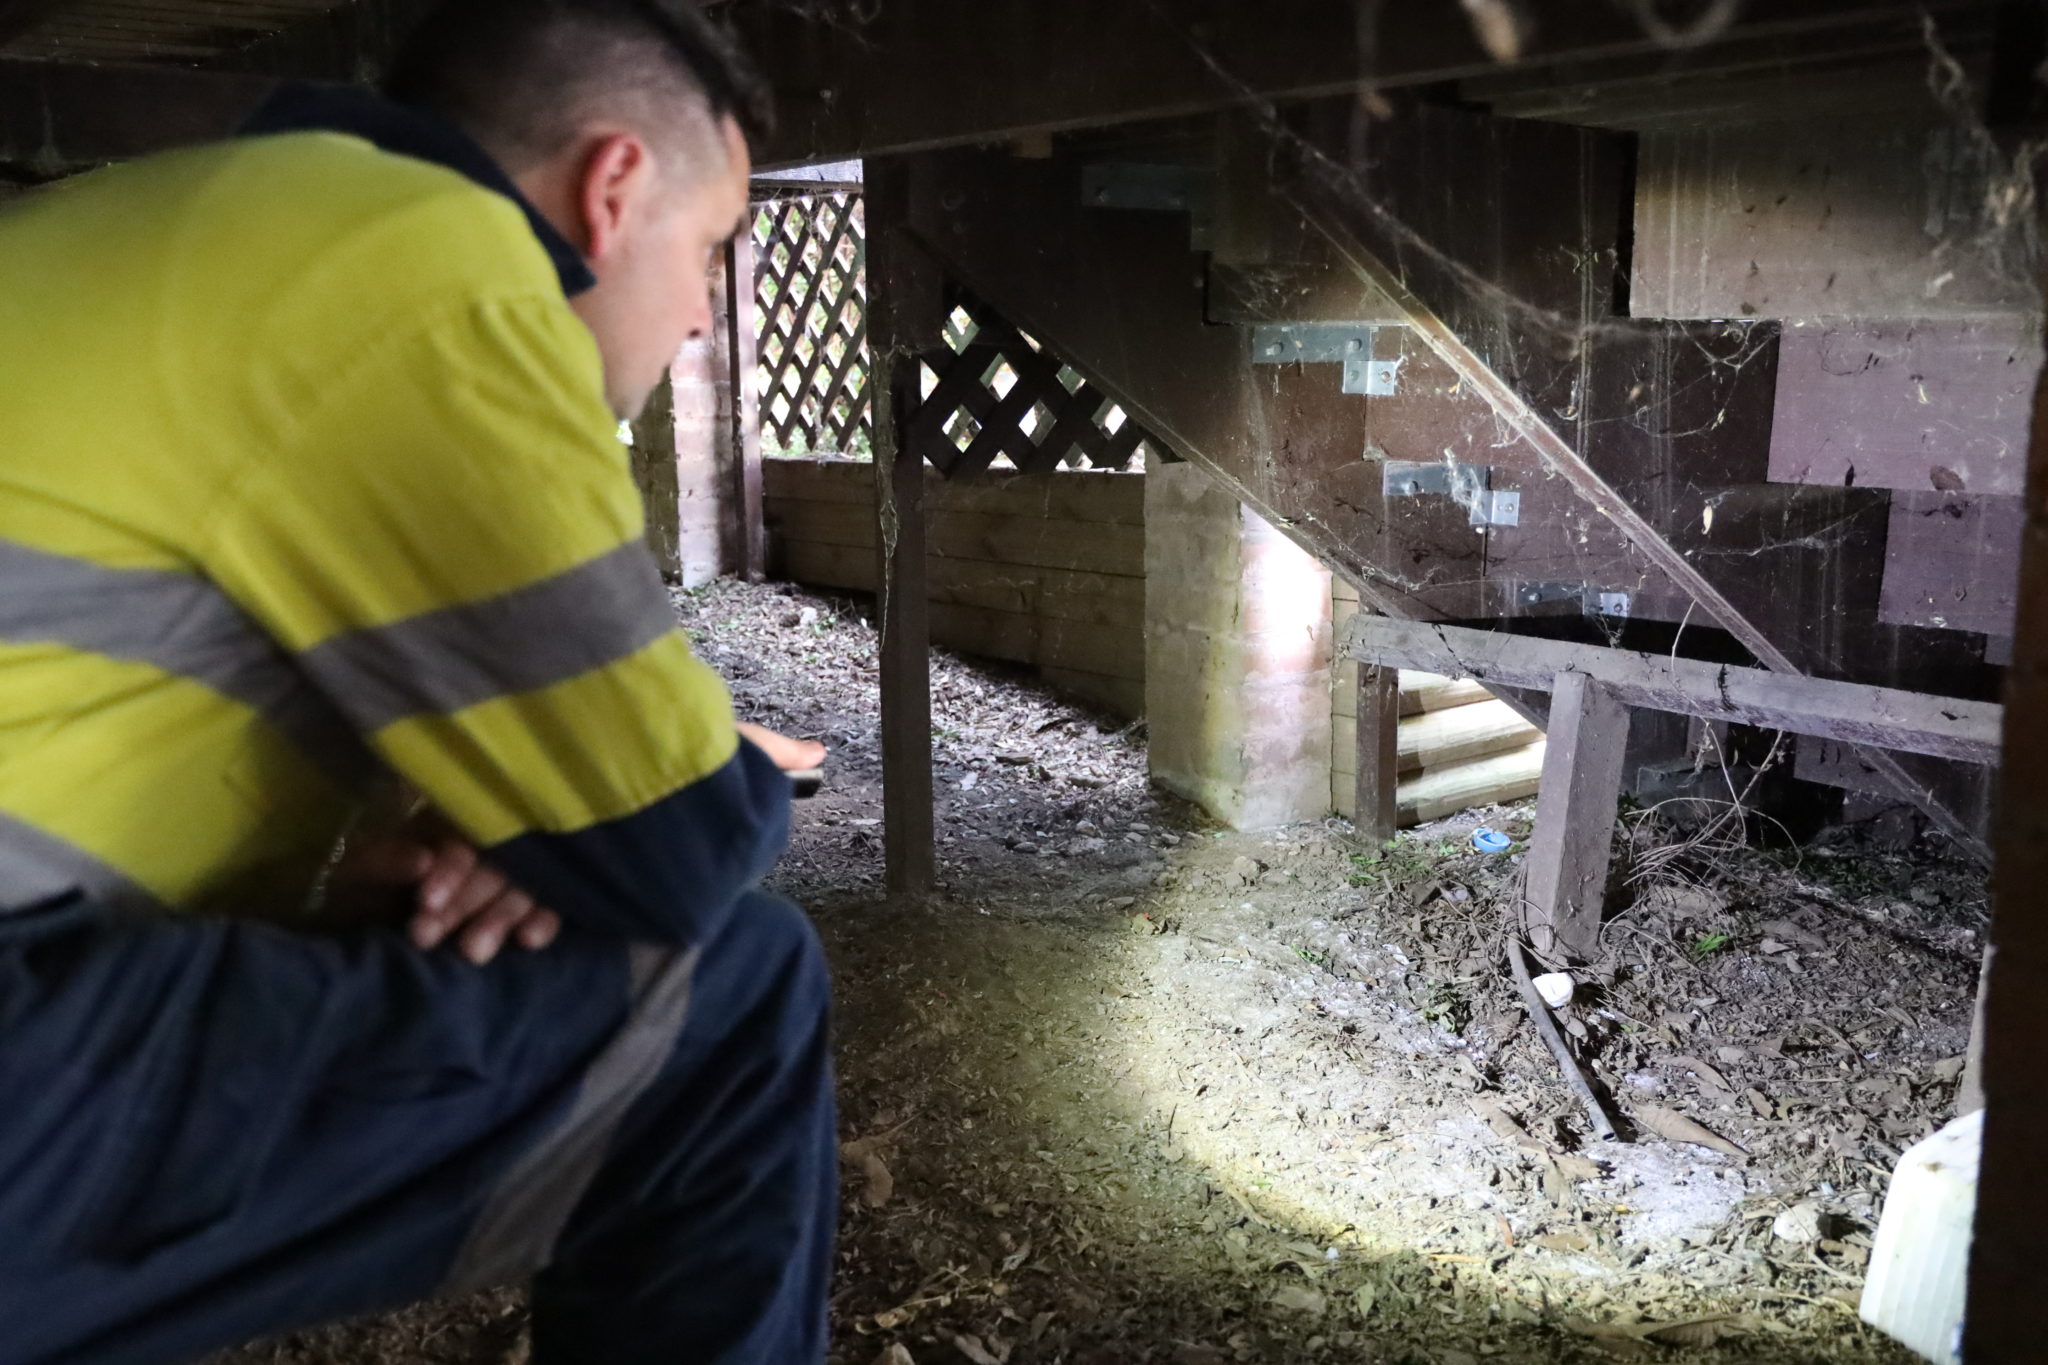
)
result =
(538, 930)
(484, 885)
(386, 862)
(484, 934)
(453, 862)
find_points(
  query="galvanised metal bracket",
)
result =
(1464, 483)
(1155, 187)
(1496, 508)
(1415, 478)
(1321, 343)
(1590, 601)
(1530, 593)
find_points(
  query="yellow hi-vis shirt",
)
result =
(306, 473)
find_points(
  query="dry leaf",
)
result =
(1576, 1168)
(1504, 1126)
(880, 1184)
(1562, 1241)
(1363, 1298)
(972, 1348)
(1701, 1331)
(1199, 1355)
(895, 1354)
(1300, 1298)
(1673, 1126)
(1759, 1102)
(1692, 1332)
(1709, 1074)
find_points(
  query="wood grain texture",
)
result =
(1841, 217)
(1376, 753)
(1853, 712)
(1575, 811)
(1929, 406)
(2006, 1320)
(1952, 562)
(903, 611)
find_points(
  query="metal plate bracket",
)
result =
(1375, 378)
(1590, 601)
(1158, 188)
(1327, 343)
(1536, 594)
(1497, 508)
(1611, 603)
(1414, 479)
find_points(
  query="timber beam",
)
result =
(926, 74)
(56, 117)
(1854, 713)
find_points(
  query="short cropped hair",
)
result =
(521, 76)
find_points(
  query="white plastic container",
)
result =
(1917, 1269)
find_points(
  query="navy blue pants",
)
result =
(214, 1131)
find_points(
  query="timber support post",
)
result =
(743, 430)
(1377, 814)
(2006, 1314)
(1575, 811)
(902, 608)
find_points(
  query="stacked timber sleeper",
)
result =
(1460, 746)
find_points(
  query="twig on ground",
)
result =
(1539, 1014)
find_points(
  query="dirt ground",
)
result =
(1135, 1089)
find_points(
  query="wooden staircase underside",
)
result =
(1490, 248)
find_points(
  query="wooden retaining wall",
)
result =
(1046, 570)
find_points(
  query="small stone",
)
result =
(1024, 846)
(1080, 848)
(1800, 1223)
(807, 618)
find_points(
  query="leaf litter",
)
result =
(1135, 1089)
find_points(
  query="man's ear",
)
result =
(617, 171)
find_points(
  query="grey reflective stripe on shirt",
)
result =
(521, 641)
(179, 623)
(36, 866)
(525, 1214)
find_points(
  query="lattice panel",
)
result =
(810, 325)
(992, 395)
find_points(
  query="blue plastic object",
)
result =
(1490, 840)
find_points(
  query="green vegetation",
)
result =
(1709, 944)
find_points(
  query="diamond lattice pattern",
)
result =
(810, 325)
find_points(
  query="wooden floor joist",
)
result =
(1852, 712)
